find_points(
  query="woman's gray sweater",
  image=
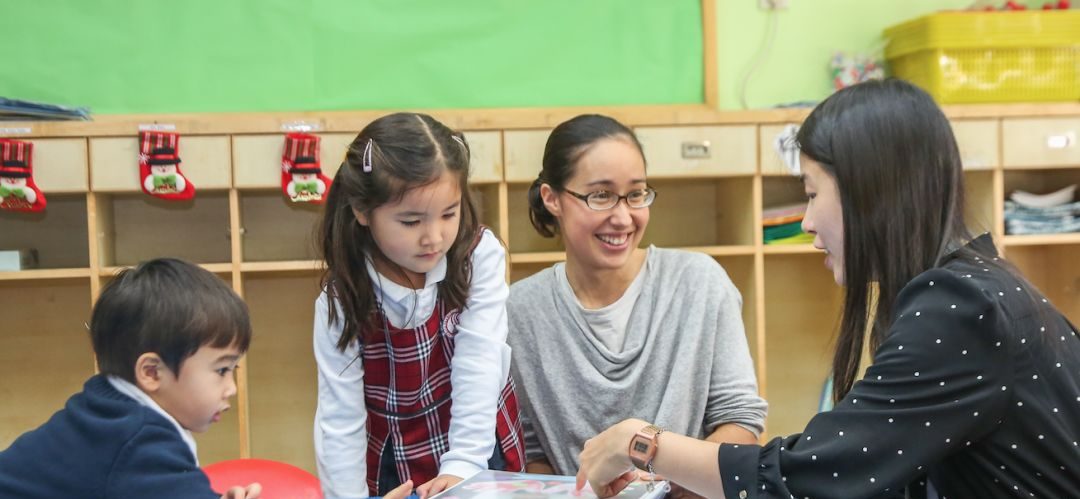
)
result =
(685, 364)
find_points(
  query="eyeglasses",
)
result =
(606, 200)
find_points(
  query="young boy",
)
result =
(167, 335)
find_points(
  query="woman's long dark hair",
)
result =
(408, 150)
(897, 167)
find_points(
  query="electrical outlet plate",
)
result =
(773, 4)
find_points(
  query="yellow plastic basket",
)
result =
(975, 57)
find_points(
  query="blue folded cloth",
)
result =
(1020, 219)
(20, 110)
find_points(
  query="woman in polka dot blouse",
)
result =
(974, 388)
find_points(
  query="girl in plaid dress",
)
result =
(410, 330)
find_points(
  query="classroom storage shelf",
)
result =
(715, 173)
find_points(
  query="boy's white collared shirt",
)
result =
(127, 388)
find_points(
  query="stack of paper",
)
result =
(783, 224)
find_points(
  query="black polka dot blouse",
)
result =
(975, 390)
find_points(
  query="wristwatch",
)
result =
(643, 447)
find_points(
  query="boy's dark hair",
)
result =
(390, 156)
(169, 307)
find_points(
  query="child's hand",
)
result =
(252, 491)
(436, 485)
(401, 492)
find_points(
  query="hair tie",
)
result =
(367, 157)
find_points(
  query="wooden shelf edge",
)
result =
(353, 121)
(1022, 110)
(283, 266)
(1042, 239)
(731, 250)
(201, 190)
(558, 256)
(217, 268)
(1029, 168)
(107, 125)
(537, 257)
(702, 176)
(689, 177)
(789, 249)
(43, 274)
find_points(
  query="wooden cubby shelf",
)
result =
(240, 227)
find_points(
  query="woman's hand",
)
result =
(605, 460)
(401, 492)
(436, 485)
(250, 492)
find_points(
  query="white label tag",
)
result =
(157, 127)
(301, 126)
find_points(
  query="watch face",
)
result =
(641, 446)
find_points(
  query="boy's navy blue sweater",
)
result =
(102, 445)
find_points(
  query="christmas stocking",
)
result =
(18, 192)
(302, 179)
(159, 167)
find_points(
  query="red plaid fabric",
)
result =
(302, 179)
(159, 167)
(18, 192)
(301, 144)
(407, 391)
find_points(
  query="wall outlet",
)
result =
(773, 4)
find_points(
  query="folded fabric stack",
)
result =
(783, 225)
(22, 110)
(1053, 213)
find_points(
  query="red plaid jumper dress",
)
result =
(407, 392)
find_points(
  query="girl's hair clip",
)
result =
(367, 157)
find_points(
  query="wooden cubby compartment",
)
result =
(135, 227)
(58, 235)
(45, 351)
(281, 373)
(802, 311)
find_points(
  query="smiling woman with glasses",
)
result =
(591, 336)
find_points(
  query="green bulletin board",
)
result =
(163, 56)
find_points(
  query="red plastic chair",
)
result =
(279, 480)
